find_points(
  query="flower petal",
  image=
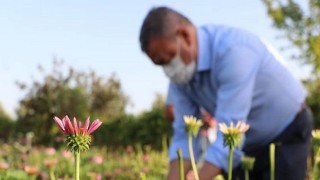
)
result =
(64, 121)
(239, 124)
(223, 128)
(75, 125)
(69, 126)
(59, 123)
(86, 124)
(231, 125)
(94, 126)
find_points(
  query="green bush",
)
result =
(149, 128)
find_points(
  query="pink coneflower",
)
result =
(76, 128)
(4, 165)
(50, 151)
(98, 177)
(66, 154)
(98, 159)
(77, 137)
(95, 176)
(50, 162)
(145, 157)
(31, 170)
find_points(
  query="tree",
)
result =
(301, 28)
(4, 116)
(6, 124)
(158, 102)
(75, 93)
(147, 128)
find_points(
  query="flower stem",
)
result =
(193, 163)
(77, 165)
(181, 168)
(51, 174)
(230, 163)
(272, 160)
(246, 174)
(315, 171)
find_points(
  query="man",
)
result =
(230, 73)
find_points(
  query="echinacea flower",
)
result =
(192, 125)
(241, 127)
(50, 162)
(233, 134)
(31, 170)
(50, 151)
(77, 136)
(145, 157)
(98, 159)
(94, 176)
(4, 165)
(76, 128)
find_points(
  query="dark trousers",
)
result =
(291, 152)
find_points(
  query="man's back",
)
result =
(227, 54)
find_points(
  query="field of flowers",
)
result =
(19, 163)
(20, 160)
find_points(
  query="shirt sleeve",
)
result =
(169, 100)
(183, 105)
(236, 73)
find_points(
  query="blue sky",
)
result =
(103, 36)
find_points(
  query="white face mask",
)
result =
(177, 71)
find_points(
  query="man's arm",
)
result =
(236, 74)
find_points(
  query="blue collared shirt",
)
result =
(237, 78)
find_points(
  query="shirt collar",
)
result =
(203, 50)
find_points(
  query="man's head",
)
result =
(169, 39)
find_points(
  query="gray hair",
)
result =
(160, 22)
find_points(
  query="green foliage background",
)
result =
(82, 94)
